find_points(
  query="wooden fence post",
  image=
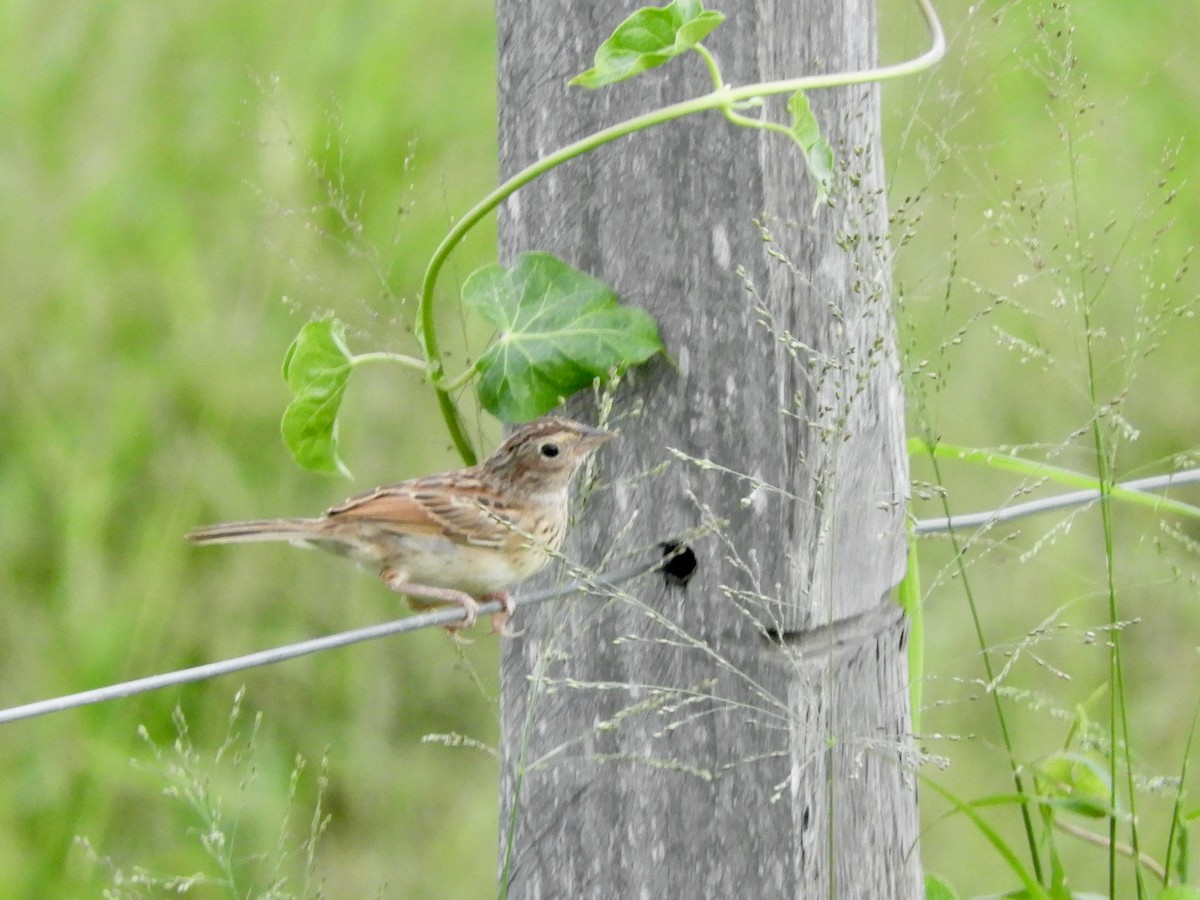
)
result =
(745, 736)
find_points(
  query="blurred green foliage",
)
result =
(1043, 183)
(170, 173)
(186, 183)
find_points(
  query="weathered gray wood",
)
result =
(746, 736)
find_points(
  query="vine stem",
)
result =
(380, 356)
(723, 98)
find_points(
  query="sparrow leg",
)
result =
(508, 606)
(395, 580)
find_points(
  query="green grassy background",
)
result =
(184, 184)
(1052, 158)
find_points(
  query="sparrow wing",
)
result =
(464, 510)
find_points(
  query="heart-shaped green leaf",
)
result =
(818, 155)
(649, 38)
(559, 330)
(316, 368)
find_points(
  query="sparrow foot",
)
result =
(396, 581)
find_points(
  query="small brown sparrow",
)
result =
(457, 537)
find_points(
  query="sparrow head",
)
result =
(546, 453)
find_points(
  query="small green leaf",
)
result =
(648, 38)
(1182, 848)
(1076, 783)
(316, 368)
(938, 888)
(559, 330)
(818, 155)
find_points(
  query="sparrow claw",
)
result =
(500, 626)
(472, 611)
(455, 632)
(508, 606)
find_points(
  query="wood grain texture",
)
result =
(746, 736)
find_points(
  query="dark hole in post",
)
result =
(679, 563)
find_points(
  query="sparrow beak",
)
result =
(591, 438)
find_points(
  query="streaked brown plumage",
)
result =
(456, 537)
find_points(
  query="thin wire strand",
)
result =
(450, 616)
(315, 645)
(1045, 504)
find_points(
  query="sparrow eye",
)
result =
(548, 450)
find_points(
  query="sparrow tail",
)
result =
(256, 530)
